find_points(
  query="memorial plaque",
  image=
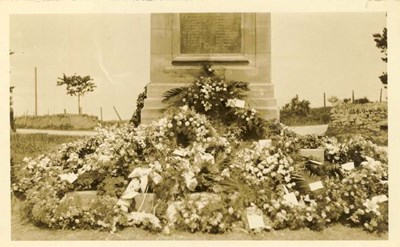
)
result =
(210, 33)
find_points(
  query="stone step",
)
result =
(156, 90)
(253, 102)
(150, 114)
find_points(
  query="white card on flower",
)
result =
(131, 190)
(265, 143)
(316, 186)
(348, 166)
(239, 103)
(380, 198)
(315, 162)
(129, 194)
(255, 221)
(291, 198)
(179, 152)
(70, 177)
(185, 107)
(156, 178)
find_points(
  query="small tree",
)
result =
(381, 43)
(77, 86)
(334, 100)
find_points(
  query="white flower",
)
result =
(371, 205)
(225, 172)
(104, 158)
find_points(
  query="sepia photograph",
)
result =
(199, 126)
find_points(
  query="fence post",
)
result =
(352, 96)
(26, 118)
(324, 100)
(101, 113)
(115, 109)
(380, 96)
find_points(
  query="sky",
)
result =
(312, 53)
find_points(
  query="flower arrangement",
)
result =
(221, 101)
(205, 178)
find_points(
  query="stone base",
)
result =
(144, 202)
(260, 97)
(316, 154)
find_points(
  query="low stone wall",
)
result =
(369, 120)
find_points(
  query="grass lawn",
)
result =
(36, 144)
(23, 145)
(25, 231)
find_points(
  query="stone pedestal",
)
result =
(236, 45)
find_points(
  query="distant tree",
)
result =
(333, 100)
(12, 121)
(77, 86)
(362, 100)
(381, 43)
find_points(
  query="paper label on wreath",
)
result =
(348, 166)
(316, 185)
(70, 177)
(291, 198)
(255, 220)
(380, 198)
(131, 190)
(139, 172)
(265, 143)
(315, 162)
(179, 152)
(239, 103)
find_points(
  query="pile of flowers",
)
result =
(210, 165)
(204, 180)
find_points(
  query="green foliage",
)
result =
(362, 101)
(215, 97)
(112, 186)
(296, 107)
(34, 145)
(316, 116)
(12, 120)
(136, 117)
(381, 43)
(77, 86)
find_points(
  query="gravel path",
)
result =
(57, 132)
(301, 130)
(307, 130)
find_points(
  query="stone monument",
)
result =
(237, 45)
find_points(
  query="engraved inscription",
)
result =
(210, 33)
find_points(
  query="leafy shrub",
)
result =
(135, 120)
(316, 116)
(296, 107)
(362, 100)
